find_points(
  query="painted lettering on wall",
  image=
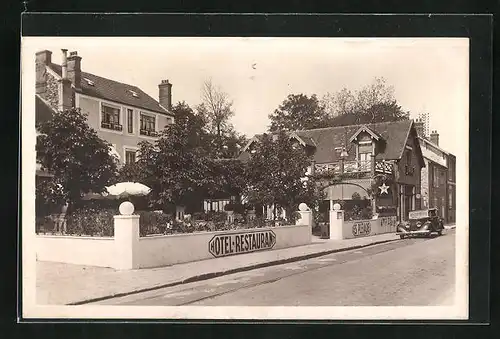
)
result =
(222, 245)
(361, 228)
(388, 222)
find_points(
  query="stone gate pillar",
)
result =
(305, 216)
(126, 237)
(336, 223)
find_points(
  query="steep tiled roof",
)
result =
(394, 135)
(115, 91)
(327, 139)
(43, 111)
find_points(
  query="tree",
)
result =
(387, 111)
(226, 146)
(339, 103)
(275, 172)
(377, 92)
(228, 176)
(175, 166)
(298, 111)
(373, 103)
(216, 110)
(383, 112)
(72, 151)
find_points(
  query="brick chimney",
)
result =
(65, 92)
(165, 94)
(74, 69)
(435, 138)
(43, 58)
(419, 127)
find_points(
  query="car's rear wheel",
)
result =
(440, 232)
(401, 236)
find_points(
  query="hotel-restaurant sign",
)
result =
(222, 245)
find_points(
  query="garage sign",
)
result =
(361, 228)
(222, 245)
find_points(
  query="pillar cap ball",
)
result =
(126, 208)
(303, 207)
(336, 207)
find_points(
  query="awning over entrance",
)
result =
(345, 190)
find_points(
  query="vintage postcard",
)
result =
(245, 178)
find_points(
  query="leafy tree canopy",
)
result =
(298, 111)
(382, 112)
(275, 171)
(372, 103)
(72, 151)
(178, 167)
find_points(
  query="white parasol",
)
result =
(126, 189)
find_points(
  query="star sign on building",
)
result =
(384, 189)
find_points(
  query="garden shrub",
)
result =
(159, 223)
(154, 222)
(44, 224)
(358, 213)
(91, 221)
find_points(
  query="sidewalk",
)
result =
(63, 284)
(450, 226)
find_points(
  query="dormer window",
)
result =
(89, 82)
(365, 140)
(134, 93)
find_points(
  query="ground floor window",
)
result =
(215, 205)
(130, 157)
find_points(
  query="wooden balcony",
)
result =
(385, 167)
(354, 166)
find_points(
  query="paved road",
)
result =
(409, 272)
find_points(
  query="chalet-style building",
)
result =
(438, 175)
(383, 158)
(121, 114)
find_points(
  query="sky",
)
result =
(428, 74)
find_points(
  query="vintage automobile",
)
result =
(423, 223)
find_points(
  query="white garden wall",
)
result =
(91, 251)
(365, 228)
(126, 250)
(157, 251)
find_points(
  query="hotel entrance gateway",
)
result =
(403, 202)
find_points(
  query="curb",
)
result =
(207, 276)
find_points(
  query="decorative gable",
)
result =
(365, 134)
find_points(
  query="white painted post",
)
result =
(126, 241)
(336, 223)
(305, 216)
